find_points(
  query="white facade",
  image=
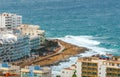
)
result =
(2, 21)
(10, 20)
(68, 72)
(78, 69)
(102, 71)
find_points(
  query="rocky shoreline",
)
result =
(69, 51)
(57, 51)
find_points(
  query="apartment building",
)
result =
(8, 70)
(87, 68)
(13, 45)
(35, 34)
(102, 66)
(36, 71)
(10, 20)
(17, 40)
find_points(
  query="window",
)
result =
(99, 68)
(112, 64)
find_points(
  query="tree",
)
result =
(57, 76)
(74, 75)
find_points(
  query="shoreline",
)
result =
(61, 54)
(69, 51)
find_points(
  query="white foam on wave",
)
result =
(86, 41)
(81, 41)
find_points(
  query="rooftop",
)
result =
(36, 69)
(69, 69)
(111, 61)
(8, 14)
(29, 26)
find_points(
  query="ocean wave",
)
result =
(86, 41)
(81, 41)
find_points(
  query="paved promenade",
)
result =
(62, 53)
(37, 59)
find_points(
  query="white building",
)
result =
(10, 20)
(16, 40)
(68, 72)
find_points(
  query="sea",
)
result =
(94, 24)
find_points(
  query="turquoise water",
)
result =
(97, 18)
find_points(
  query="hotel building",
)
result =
(35, 34)
(98, 67)
(10, 20)
(36, 71)
(16, 40)
(13, 45)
